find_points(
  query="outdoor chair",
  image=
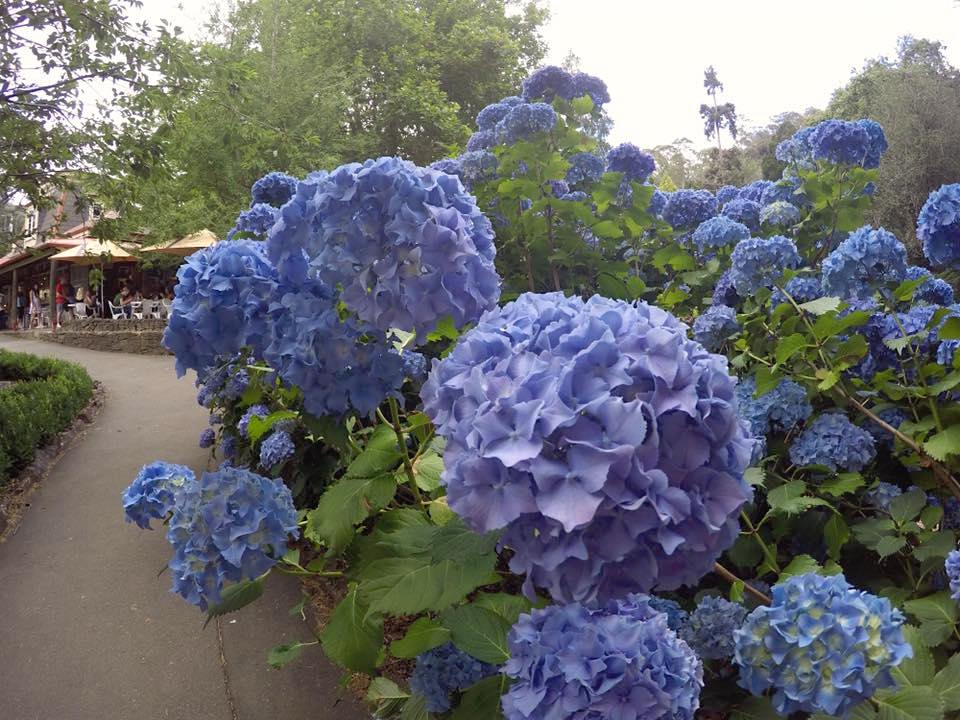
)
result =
(165, 306)
(152, 309)
(116, 311)
(136, 309)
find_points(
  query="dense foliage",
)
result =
(503, 478)
(45, 397)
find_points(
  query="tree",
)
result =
(717, 117)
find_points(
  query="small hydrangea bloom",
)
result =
(549, 82)
(715, 326)
(488, 118)
(685, 209)
(207, 438)
(709, 628)
(865, 260)
(630, 160)
(834, 442)
(584, 84)
(933, 290)
(482, 140)
(877, 144)
(759, 262)
(840, 142)
(802, 288)
(585, 168)
(274, 189)
(779, 214)
(882, 494)
(620, 661)
(477, 166)
(277, 448)
(938, 226)
(676, 615)
(952, 568)
(745, 212)
(260, 411)
(719, 231)
(444, 670)
(524, 121)
(153, 493)
(726, 194)
(822, 646)
(780, 409)
(254, 223)
(755, 190)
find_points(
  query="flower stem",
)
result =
(402, 442)
(727, 575)
(770, 556)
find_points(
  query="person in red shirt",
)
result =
(60, 291)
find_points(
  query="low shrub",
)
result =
(45, 398)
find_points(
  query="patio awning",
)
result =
(187, 245)
(92, 251)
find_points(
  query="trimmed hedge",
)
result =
(47, 396)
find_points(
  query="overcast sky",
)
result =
(771, 55)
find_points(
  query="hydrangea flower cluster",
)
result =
(719, 231)
(822, 646)
(406, 245)
(715, 326)
(726, 194)
(549, 82)
(444, 670)
(676, 615)
(933, 290)
(783, 191)
(685, 209)
(630, 160)
(258, 410)
(207, 438)
(893, 416)
(866, 259)
(952, 568)
(780, 409)
(724, 293)
(658, 201)
(759, 262)
(277, 448)
(755, 190)
(477, 166)
(605, 441)
(584, 84)
(745, 212)
(523, 121)
(779, 213)
(273, 189)
(834, 442)
(255, 222)
(230, 526)
(621, 661)
(796, 150)
(841, 142)
(709, 628)
(585, 168)
(938, 226)
(153, 492)
(802, 288)
(220, 304)
(882, 494)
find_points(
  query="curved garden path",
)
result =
(87, 629)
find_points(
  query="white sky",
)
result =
(771, 55)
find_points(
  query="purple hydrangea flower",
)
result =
(658, 201)
(477, 166)
(834, 442)
(934, 290)
(604, 441)
(585, 168)
(715, 326)
(877, 144)
(260, 411)
(726, 194)
(676, 615)
(866, 259)
(621, 661)
(488, 118)
(685, 209)
(277, 448)
(450, 166)
(779, 214)
(778, 410)
(802, 288)
(755, 190)
(596, 88)
(841, 142)
(634, 163)
(724, 293)
(938, 226)
(709, 628)
(207, 438)
(482, 140)
(952, 568)
(549, 82)
(273, 189)
(882, 494)
(782, 191)
(445, 670)
(153, 493)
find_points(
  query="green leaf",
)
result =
(582, 105)
(871, 532)
(479, 632)
(283, 654)
(836, 532)
(445, 330)
(352, 637)
(425, 634)
(612, 286)
(755, 708)
(482, 700)
(890, 545)
(947, 683)
(931, 515)
(937, 614)
(675, 256)
(235, 597)
(789, 346)
(259, 425)
(944, 443)
(821, 305)
(379, 455)
(950, 330)
(907, 506)
(505, 605)
(919, 669)
(767, 380)
(415, 709)
(842, 484)
(427, 470)
(909, 703)
(455, 541)
(607, 229)
(383, 689)
(754, 476)
(934, 545)
(345, 504)
(789, 498)
(800, 565)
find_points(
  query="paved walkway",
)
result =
(87, 629)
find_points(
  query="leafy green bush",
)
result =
(46, 396)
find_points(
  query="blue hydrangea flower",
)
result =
(273, 189)
(724, 293)
(796, 150)
(726, 194)
(596, 88)
(934, 290)
(835, 442)
(779, 214)
(153, 493)
(559, 188)
(952, 568)
(913, 324)
(946, 351)
(822, 646)
(780, 409)
(938, 226)
(549, 82)
(866, 259)
(746, 212)
(482, 140)
(228, 446)
(220, 304)
(894, 417)
(450, 166)
(882, 494)
(802, 288)
(478, 166)
(524, 121)
(755, 190)
(237, 384)
(951, 513)
(444, 670)
(336, 363)
(277, 448)
(207, 438)
(658, 201)
(568, 422)
(719, 231)
(621, 661)
(488, 118)
(715, 326)
(630, 160)
(260, 411)
(782, 191)
(709, 628)
(230, 526)
(676, 615)
(585, 168)
(254, 223)
(877, 144)
(759, 262)
(685, 209)
(575, 196)
(841, 142)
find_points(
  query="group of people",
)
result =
(125, 297)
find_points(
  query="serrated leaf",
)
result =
(950, 330)
(944, 443)
(607, 229)
(427, 470)
(281, 655)
(842, 484)
(440, 512)
(947, 683)
(789, 498)
(909, 703)
(918, 670)
(415, 709)
(479, 632)
(345, 504)
(935, 545)
(789, 346)
(871, 532)
(425, 634)
(767, 380)
(235, 597)
(754, 476)
(836, 533)
(890, 545)
(379, 455)
(258, 426)
(505, 605)
(455, 541)
(821, 306)
(907, 506)
(353, 637)
(482, 700)
(937, 614)
(800, 565)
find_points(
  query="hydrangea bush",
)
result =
(498, 399)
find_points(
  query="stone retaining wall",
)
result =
(141, 337)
